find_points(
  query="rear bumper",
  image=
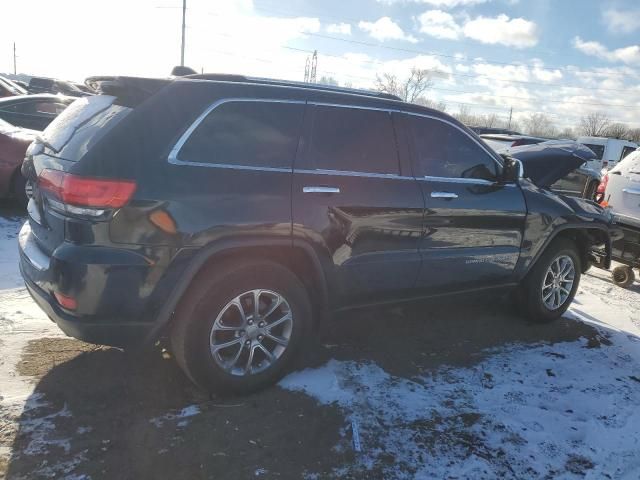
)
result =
(110, 304)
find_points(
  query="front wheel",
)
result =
(240, 326)
(552, 283)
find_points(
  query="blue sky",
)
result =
(563, 58)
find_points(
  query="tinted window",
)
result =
(626, 151)
(597, 149)
(258, 134)
(352, 139)
(442, 150)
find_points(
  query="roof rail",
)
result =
(291, 83)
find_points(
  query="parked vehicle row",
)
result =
(232, 215)
(13, 145)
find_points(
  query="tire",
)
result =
(18, 184)
(533, 304)
(590, 191)
(623, 276)
(206, 315)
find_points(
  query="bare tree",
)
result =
(409, 89)
(464, 115)
(595, 124)
(567, 132)
(427, 102)
(490, 121)
(328, 80)
(633, 135)
(539, 125)
(616, 130)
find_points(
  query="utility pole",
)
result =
(14, 58)
(510, 113)
(314, 64)
(184, 14)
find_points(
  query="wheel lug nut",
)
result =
(260, 337)
(261, 324)
(250, 322)
(247, 343)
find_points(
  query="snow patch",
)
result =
(183, 414)
(526, 411)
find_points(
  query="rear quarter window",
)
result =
(246, 133)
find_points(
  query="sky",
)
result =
(563, 58)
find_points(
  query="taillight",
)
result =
(600, 190)
(84, 195)
(603, 184)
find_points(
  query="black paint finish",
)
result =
(374, 237)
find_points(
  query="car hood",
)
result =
(547, 162)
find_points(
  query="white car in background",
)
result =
(609, 151)
(621, 190)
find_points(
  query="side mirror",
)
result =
(513, 170)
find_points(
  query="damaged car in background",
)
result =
(580, 181)
(232, 215)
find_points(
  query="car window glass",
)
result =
(258, 134)
(354, 140)
(48, 108)
(441, 150)
(597, 149)
(626, 151)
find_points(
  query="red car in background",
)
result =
(13, 145)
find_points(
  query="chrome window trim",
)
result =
(348, 173)
(469, 181)
(173, 154)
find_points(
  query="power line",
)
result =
(527, 82)
(360, 77)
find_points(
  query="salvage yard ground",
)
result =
(439, 389)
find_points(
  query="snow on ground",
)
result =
(20, 321)
(526, 411)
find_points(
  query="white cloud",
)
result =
(629, 55)
(385, 29)
(439, 24)
(341, 28)
(514, 32)
(438, 3)
(618, 21)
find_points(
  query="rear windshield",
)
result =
(597, 149)
(81, 125)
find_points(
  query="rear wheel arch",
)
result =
(300, 259)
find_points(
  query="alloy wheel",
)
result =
(251, 332)
(558, 282)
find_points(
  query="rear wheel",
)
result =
(623, 276)
(240, 326)
(552, 283)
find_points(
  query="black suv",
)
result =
(233, 215)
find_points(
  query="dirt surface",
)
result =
(109, 399)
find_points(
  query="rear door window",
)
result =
(442, 150)
(246, 133)
(597, 149)
(353, 140)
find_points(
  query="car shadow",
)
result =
(105, 413)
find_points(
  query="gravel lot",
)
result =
(440, 389)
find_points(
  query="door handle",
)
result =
(444, 195)
(312, 189)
